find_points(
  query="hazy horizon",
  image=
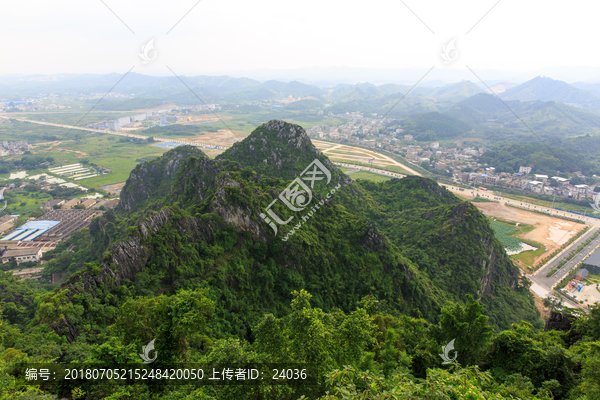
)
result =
(314, 42)
(330, 76)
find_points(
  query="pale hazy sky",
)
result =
(75, 36)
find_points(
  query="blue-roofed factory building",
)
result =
(30, 230)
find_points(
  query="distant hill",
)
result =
(169, 88)
(434, 126)
(363, 91)
(548, 89)
(133, 83)
(399, 100)
(486, 112)
(293, 88)
(455, 91)
(301, 105)
(500, 88)
(593, 88)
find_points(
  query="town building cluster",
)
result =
(356, 130)
(29, 105)
(460, 162)
(14, 148)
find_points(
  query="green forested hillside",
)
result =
(545, 89)
(434, 126)
(369, 282)
(437, 231)
(485, 112)
(566, 155)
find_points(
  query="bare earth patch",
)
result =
(550, 231)
(114, 189)
(224, 137)
(589, 294)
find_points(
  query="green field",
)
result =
(504, 233)
(23, 202)
(348, 152)
(369, 176)
(106, 151)
(116, 153)
(249, 122)
(391, 168)
(507, 233)
(593, 278)
(34, 132)
(396, 168)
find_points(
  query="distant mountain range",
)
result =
(593, 88)
(329, 76)
(547, 89)
(485, 112)
(226, 88)
(552, 107)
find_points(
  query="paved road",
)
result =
(522, 204)
(567, 302)
(540, 275)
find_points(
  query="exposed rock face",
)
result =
(274, 146)
(154, 179)
(562, 322)
(373, 240)
(261, 144)
(559, 322)
(281, 146)
(128, 258)
(496, 266)
(239, 216)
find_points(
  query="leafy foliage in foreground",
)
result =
(362, 354)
